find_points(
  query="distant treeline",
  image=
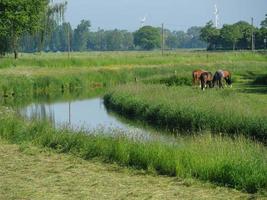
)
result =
(237, 36)
(40, 26)
(82, 38)
(240, 35)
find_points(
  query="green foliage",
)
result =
(173, 80)
(81, 34)
(237, 163)
(231, 33)
(18, 17)
(264, 22)
(235, 36)
(210, 34)
(147, 38)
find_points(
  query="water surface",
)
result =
(89, 115)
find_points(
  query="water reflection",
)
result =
(89, 114)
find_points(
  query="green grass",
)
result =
(238, 163)
(28, 172)
(93, 59)
(190, 110)
(53, 73)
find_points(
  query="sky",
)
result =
(175, 14)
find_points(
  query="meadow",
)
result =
(156, 89)
(190, 110)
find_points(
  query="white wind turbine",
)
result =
(142, 21)
(216, 14)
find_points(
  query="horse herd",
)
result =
(205, 78)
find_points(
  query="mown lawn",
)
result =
(27, 172)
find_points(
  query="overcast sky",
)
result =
(175, 14)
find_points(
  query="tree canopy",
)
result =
(147, 37)
(234, 36)
(17, 17)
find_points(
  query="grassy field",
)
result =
(162, 97)
(184, 108)
(113, 59)
(27, 172)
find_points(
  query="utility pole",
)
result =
(68, 27)
(69, 114)
(162, 39)
(252, 35)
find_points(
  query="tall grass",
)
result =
(237, 163)
(187, 109)
(49, 72)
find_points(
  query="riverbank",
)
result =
(227, 111)
(27, 172)
(238, 163)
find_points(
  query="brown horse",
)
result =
(227, 77)
(196, 76)
(206, 78)
(221, 75)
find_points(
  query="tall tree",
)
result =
(264, 22)
(147, 37)
(210, 34)
(246, 29)
(18, 17)
(51, 17)
(231, 34)
(114, 40)
(81, 36)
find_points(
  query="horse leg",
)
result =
(221, 84)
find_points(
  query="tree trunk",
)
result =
(233, 46)
(15, 54)
(15, 46)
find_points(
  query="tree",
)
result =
(51, 17)
(264, 22)
(194, 38)
(147, 37)
(18, 17)
(246, 30)
(4, 45)
(114, 40)
(81, 36)
(210, 34)
(172, 41)
(231, 34)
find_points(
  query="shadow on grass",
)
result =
(259, 89)
(257, 83)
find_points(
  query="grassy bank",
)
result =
(238, 163)
(190, 110)
(100, 59)
(28, 172)
(54, 73)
